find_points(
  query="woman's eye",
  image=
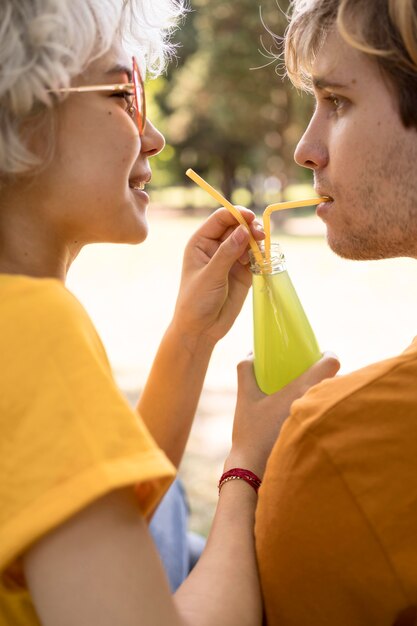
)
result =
(127, 97)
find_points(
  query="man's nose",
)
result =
(311, 151)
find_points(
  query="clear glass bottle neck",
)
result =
(274, 265)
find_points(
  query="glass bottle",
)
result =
(284, 342)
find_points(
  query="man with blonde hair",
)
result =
(336, 525)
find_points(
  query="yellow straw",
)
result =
(279, 207)
(229, 206)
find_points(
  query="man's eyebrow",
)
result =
(120, 69)
(322, 83)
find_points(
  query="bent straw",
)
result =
(279, 207)
(229, 206)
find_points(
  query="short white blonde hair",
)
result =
(45, 43)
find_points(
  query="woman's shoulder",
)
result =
(42, 297)
(39, 305)
(39, 317)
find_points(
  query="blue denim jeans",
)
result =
(178, 548)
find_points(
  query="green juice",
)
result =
(284, 342)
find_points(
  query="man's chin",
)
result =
(357, 249)
(347, 247)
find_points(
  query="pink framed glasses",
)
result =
(134, 93)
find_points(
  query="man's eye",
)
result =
(336, 101)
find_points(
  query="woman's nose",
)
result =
(153, 142)
(311, 151)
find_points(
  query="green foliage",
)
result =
(234, 124)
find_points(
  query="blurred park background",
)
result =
(238, 127)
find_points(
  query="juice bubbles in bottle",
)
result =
(284, 342)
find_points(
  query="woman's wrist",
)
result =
(194, 343)
(244, 461)
(238, 473)
(239, 489)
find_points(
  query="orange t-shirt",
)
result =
(336, 525)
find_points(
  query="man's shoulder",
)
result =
(338, 501)
(383, 389)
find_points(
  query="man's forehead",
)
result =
(337, 64)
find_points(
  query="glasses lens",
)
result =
(140, 103)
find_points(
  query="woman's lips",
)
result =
(138, 191)
(137, 186)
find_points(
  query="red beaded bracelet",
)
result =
(240, 474)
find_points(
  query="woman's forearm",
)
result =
(214, 284)
(223, 587)
(172, 391)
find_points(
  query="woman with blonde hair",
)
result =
(80, 471)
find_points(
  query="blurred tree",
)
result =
(225, 118)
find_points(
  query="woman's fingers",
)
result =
(227, 254)
(326, 367)
(221, 220)
(246, 378)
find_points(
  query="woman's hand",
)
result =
(215, 280)
(215, 276)
(259, 418)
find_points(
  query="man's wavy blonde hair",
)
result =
(45, 43)
(385, 30)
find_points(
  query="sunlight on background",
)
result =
(363, 311)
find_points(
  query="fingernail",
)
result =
(259, 227)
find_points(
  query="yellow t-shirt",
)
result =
(336, 525)
(68, 436)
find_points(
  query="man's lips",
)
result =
(322, 193)
(323, 208)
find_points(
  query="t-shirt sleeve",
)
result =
(68, 434)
